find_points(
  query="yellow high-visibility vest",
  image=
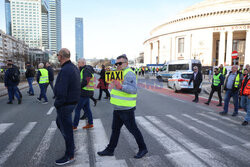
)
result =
(44, 78)
(120, 98)
(216, 79)
(90, 85)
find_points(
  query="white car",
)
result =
(179, 81)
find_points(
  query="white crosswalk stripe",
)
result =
(100, 140)
(181, 150)
(4, 127)
(44, 145)
(216, 129)
(15, 143)
(196, 130)
(223, 117)
(50, 110)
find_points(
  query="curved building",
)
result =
(208, 31)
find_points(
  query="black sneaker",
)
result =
(64, 160)
(219, 104)
(19, 101)
(38, 99)
(207, 103)
(244, 123)
(31, 94)
(222, 113)
(83, 117)
(105, 152)
(141, 154)
(234, 114)
(9, 102)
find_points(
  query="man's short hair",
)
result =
(64, 52)
(217, 69)
(124, 56)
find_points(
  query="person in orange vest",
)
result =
(245, 96)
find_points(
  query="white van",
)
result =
(177, 65)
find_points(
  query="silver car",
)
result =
(179, 81)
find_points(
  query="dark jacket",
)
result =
(234, 89)
(7, 77)
(87, 74)
(197, 81)
(51, 73)
(30, 72)
(67, 87)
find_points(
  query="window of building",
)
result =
(181, 45)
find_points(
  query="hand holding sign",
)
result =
(117, 84)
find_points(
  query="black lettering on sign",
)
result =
(117, 75)
(112, 76)
(107, 74)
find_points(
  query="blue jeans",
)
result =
(12, 90)
(43, 92)
(64, 124)
(30, 80)
(245, 103)
(126, 117)
(228, 95)
(83, 104)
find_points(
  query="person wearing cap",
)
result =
(123, 99)
(30, 74)
(43, 81)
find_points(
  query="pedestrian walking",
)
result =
(30, 74)
(197, 80)
(87, 91)
(67, 95)
(103, 85)
(232, 86)
(217, 81)
(11, 80)
(18, 73)
(43, 81)
(245, 96)
(123, 98)
(223, 70)
(51, 77)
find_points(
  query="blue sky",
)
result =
(113, 27)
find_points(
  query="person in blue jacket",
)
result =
(67, 94)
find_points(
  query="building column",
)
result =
(187, 47)
(247, 50)
(222, 48)
(229, 48)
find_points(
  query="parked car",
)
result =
(179, 81)
(163, 77)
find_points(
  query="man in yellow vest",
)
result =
(223, 70)
(217, 81)
(123, 98)
(87, 91)
(232, 87)
(43, 81)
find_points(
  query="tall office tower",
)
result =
(55, 40)
(79, 38)
(28, 21)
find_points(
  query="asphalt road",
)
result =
(177, 132)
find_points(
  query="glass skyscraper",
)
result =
(8, 17)
(79, 38)
(55, 39)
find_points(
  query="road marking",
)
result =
(180, 100)
(204, 108)
(81, 144)
(177, 135)
(15, 143)
(4, 127)
(216, 129)
(50, 110)
(168, 144)
(152, 161)
(44, 145)
(223, 117)
(203, 134)
(111, 163)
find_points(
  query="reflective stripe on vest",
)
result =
(90, 85)
(44, 78)
(247, 87)
(120, 98)
(216, 79)
(237, 81)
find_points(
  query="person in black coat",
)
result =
(30, 74)
(197, 80)
(51, 76)
(102, 85)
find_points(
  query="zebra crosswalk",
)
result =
(179, 138)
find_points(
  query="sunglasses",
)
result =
(120, 63)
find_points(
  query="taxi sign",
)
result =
(113, 75)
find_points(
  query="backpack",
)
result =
(15, 76)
